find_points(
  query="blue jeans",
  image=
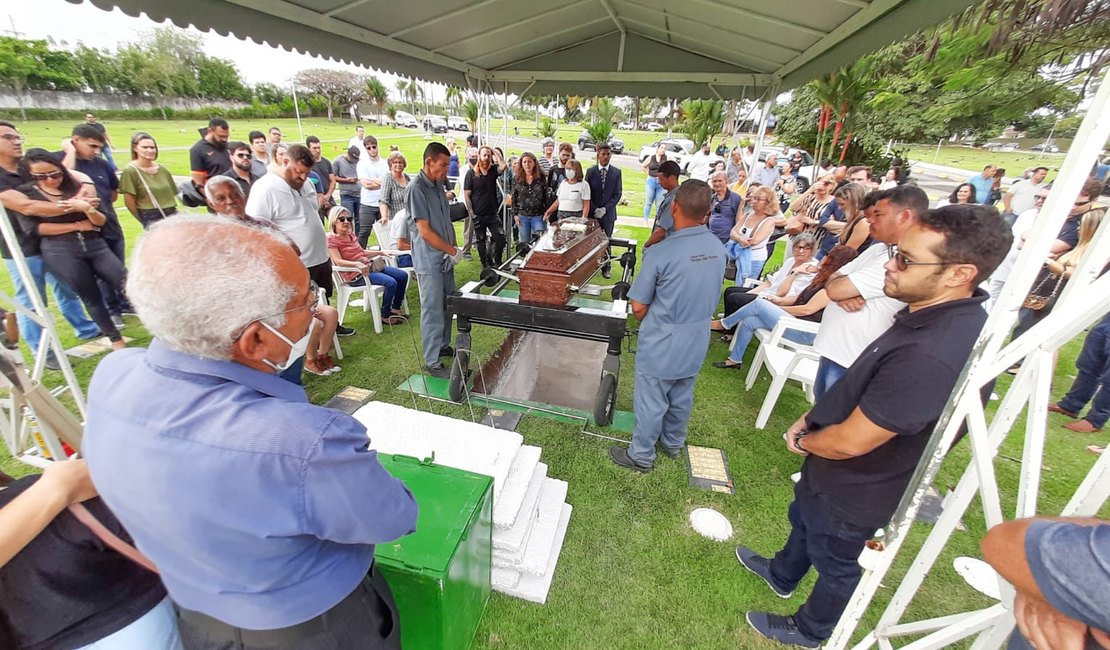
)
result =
(757, 268)
(758, 314)
(435, 318)
(820, 539)
(662, 408)
(68, 303)
(653, 195)
(155, 629)
(530, 226)
(351, 203)
(404, 261)
(828, 373)
(1093, 378)
(394, 283)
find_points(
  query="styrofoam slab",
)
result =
(533, 560)
(512, 539)
(516, 486)
(455, 443)
(535, 588)
(502, 579)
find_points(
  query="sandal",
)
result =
(716, 326)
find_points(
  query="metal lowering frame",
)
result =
(1085, 299)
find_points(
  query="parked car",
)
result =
(435, 124)
(1001, 146)
(628, 126)
(654, 126)
(808, 170)
(457, 124)
(586, 141)
(1047, 148)
(407, 120)
(678, 150)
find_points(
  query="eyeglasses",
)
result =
(371, 146)
(802, 247)
(12, 137)
(242, 155)
(43, 177)
(903, 262)
(344, 219)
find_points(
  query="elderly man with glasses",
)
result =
(260, 509)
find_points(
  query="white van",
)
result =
(456, 123)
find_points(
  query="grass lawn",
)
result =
(632, 573)
(973, 159)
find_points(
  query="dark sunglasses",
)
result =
(344, 219)
(242, 155)
(43, 177)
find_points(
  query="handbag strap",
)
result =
(153, 199)
(109, 538)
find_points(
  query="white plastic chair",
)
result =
(784, 360)
(371, 295)
(391, 260)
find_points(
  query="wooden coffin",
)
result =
(567, 255)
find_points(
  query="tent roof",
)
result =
(639, 48)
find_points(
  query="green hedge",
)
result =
(311, 106)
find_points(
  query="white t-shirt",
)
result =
(571, 195)
(1022, 194)
(294, 213)
(398, 228)
(843, 335)
(370, 169)
(699, 165)
(1022, 225)
(800, 282)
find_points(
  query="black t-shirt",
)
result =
(210, 159)
(243, 184)
(901, 382)
(31, 224)
(323, 168)
(104, 178)
(28, 241)
(483, 192)
(67, 589)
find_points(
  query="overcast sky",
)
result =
(67, 24)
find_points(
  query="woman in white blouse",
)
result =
(572, 199)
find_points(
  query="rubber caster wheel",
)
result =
(606, 403)
(460, 368)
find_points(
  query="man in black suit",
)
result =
(605, 189)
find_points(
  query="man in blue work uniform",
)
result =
(434, 254)
(674, 296)
(664, 220)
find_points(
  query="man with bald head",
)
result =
(260, 509)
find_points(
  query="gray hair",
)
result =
(714, 175)
(804, 238)
(216, 181)
(207, 279)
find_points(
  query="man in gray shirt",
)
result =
(768, 173)
(434, 254)
(345, 168)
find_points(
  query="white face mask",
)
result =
(296, 348)
(570, 173)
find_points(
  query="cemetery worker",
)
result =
(434, 254)
(201, 415)
(674, 297)
(1060, 571)
(863, 439)
(606, 188)
(664, 220)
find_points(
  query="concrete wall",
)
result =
(73, 101)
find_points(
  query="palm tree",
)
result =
(377, 94)
(702, 119)
(470, 113)
(454, 96)
(391, 111)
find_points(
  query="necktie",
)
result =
(603, 172)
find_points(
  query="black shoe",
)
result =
(619, 455)
(438, 370)
(447, 351)
(52, 362)
(344, 331)
(671, 453)
(781, 629)
(760, 566)
(606, 272)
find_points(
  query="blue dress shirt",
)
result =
(259, 508)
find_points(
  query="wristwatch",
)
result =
(798, 435)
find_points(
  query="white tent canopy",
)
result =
(640, 48)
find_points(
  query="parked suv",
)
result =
(586, 141)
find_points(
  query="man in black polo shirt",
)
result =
(481, 196)
(863, 439)
(241, 170)
(82, 153)
(209, 156)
